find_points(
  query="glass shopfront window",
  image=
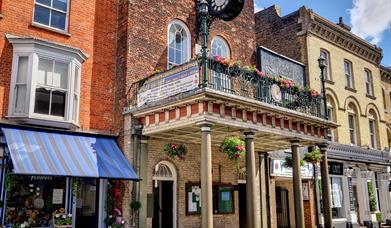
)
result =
(33, 199)
(337, 197)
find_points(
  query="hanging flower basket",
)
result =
(288, 163)
(173, 150)
(234, 147)
(313, 157)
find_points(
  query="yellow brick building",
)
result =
(355, 102)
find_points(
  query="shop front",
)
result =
(52, 178)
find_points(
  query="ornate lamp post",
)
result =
(322, 65)
(204, 20)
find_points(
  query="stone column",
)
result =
(252, 192)
(326, 195)
(206, 177)
(297, 186)
(143, 172)
(262, 189)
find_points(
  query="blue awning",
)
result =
(35, 152)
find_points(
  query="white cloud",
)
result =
(370, 18)
(257, 8)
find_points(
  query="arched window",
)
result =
(353, 124)
(373, 129)
(332, 117)
(178, 44)
(327, 70)
(220, 48)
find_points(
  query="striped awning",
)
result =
(36, 152)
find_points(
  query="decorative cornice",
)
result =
(343, 38)
(385, 73)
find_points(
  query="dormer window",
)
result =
(45, 83)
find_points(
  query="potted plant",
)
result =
(61, 219)
(288, 163)
(313, 157)
(175, 150)
(234, 147)
(135, 205)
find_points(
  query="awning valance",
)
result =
(36, 152)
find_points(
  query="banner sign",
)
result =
(278, 169)
(179, 80)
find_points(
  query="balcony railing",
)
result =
(250, 83)
(245, 82)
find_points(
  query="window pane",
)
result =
(75, 108)
(22, 70)
(60, 4)
(58, 20)
(44, 76)
(76, 81)
(42, 99)
(58, 103)
(45, 2)
(20, 99)
(60, 75)
(41, 15)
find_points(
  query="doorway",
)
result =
(242, 206)
(282, 208)
(87, 203)
(164, 195)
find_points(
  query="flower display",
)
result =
(173, 150)
(234, 147)
(61, 219)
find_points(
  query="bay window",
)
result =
(45, 83)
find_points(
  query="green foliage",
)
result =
(313, 157)
(372, 198)
(75, 186)
(173, 150)
(233, 147)
(10, 182)
(289, 162)
(135, 205)
(379, 217)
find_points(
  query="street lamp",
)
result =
(203, 20)
(322, 65)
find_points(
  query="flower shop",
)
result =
(61, 179)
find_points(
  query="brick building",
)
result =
(353, 88)
(58, 88)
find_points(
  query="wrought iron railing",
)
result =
(247, 82)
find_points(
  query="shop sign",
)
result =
(278, 169)
(335, 168)
(179, 80)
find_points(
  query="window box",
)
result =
(45, 82)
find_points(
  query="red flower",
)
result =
(224, 61)
(313, 93)
(173, 146)
(218, 58)
(239, 148)
(237, 155)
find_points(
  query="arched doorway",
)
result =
(165, 195)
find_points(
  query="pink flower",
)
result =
(237, 155)
(173, 146)
(313, 93)
(239, 148)
(218, 58)
(224, 61)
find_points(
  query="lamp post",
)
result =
(203, 20)
(322, 65)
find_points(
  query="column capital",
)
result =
(205, 125)
(323, 146)
(250, 133)
(295, 142)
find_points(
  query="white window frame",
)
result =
(352, 129)
(368, 82)
(36, 49)
(328, 67)
(188, 48)
(372, 123)
(348, 75)
(225, 79)
(50, 17)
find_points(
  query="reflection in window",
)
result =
(337, 197)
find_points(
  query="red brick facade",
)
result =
(92, 29)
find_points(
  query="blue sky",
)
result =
(370, 19)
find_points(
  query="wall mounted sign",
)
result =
(335, 168)
(278, 169)
(182, 79)
(276, 93)
(57, 196)
(193, 198)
